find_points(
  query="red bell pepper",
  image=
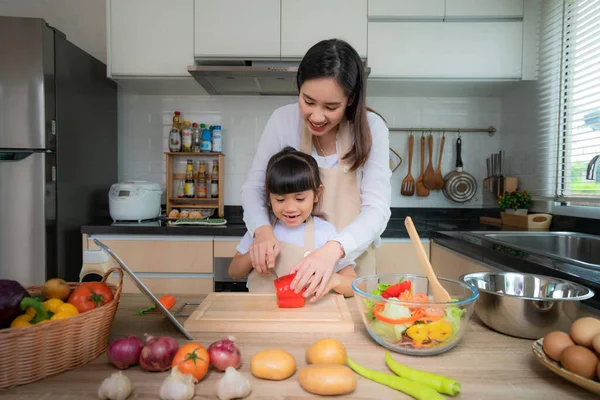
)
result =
(286, 297)
(396, 290)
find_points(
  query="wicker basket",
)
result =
(35, 352)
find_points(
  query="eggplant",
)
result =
(11, 294)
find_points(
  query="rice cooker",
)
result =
(134, 201)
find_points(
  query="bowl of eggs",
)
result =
(574, 355)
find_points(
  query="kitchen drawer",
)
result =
(160, 255)
(398, 256)
(225, 248)
(449, 264)
(160, 285)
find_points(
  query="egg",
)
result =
(583, 331)
(555, 342)
(596, 343)
(580, 360)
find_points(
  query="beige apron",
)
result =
(340, 202)
(289, 255)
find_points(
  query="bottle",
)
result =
(206, 141)
(201, 181)
(196, 138)
(214, 184)
(175, 135)
(186, 137)
(189, 180)
(217, 139)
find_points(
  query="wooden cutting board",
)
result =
(258, 312)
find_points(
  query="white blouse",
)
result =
(284, 128)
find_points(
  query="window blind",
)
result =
(569, 94)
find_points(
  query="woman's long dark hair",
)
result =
(291, 171)
(335, 58)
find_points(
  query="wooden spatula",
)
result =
(422, 190)
(408, 184)
(440, 295)
(439, 178)
(429, 176)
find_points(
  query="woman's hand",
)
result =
(316, 268)
(264, 249)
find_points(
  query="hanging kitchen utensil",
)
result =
(395, 160)
(459, 186)
(422, 190)
(429, 176)
(439, 179)
(408, 184)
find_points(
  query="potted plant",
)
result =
(515, 202)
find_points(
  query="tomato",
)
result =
(193, 359)
(90, 295)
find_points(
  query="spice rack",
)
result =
(194, 203)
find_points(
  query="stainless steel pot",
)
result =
(459, 186)
(525, 305)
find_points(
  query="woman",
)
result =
(331, 122)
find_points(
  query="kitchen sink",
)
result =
(572, 247)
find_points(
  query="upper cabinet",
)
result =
(306, 22)
(406, 9)
(485, 50)
(237, 29)
(484, 8)
(150, 37)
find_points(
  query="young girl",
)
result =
(293, 188)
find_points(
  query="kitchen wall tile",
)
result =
(145, 121)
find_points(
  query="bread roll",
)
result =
(184, 214)
(195, 214)
(174, 213)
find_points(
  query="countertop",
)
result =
(488, 365)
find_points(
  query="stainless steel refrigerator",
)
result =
(58, 150)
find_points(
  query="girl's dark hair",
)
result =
(291, 171)
(335, 58)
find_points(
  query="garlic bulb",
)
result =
(233, 385)
(115, 387)
(177, 386)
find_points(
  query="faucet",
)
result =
(593, 169)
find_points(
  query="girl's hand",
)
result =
(333, 282)
(317, 269)
(264, 249)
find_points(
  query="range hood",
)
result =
(263, 78)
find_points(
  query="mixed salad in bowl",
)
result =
(402, 315)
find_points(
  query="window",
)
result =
(569, 78)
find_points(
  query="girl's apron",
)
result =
(289, 255)
(340, 202)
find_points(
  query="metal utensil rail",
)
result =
(490, 130)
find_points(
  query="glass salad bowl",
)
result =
(399, 312)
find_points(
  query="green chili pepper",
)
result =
(41, 314)
(440, 383)
(414, 389)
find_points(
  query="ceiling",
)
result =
(83, 21)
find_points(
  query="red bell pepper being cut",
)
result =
(396, 290)
(286, 297)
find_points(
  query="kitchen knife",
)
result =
(494, 186)
(501, 173)
(488, 164)
(273, 272)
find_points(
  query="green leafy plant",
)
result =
(515, 200)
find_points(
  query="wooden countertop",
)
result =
(488, 365)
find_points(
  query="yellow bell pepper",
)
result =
(418, 333)
(439, 331)
(61, 310)
(21, 321)
(52, 305)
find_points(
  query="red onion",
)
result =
(224, 353)
(125, 352)
(158, 353)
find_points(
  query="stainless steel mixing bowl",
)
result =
(525, 305)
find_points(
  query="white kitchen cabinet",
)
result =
(406, 9)
(466, 50)
(150, 37)
(306, 22)
(237, 29)
(484, 8)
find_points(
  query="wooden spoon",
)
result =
(421, 188)
(439, 178)
(429, 177)
(440, 295)
(408, 184)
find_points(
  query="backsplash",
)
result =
(145, 120)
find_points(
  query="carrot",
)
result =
(412, 388)
(437, 382)
(167, 301)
